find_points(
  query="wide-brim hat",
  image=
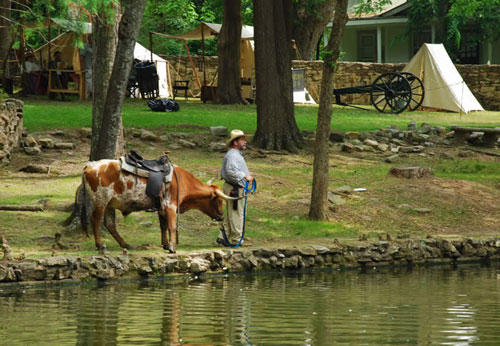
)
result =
(233, 135)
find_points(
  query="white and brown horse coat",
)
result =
(109, 188)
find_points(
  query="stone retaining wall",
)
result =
(11, 127)
(360, 254)
(482, 80)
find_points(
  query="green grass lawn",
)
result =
(42, 114)
(278, 213)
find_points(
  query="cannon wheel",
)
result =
(390, 93)
(417, 90)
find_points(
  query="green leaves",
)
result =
(455, 17)
(370, 6)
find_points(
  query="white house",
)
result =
(380, 38)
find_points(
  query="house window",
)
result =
(367, 46)
(422, 36)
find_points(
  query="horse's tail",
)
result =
(83, 214)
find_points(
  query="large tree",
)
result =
(111, 117)
(228, 48)
(5, 37)
(276, 125)
(319, 196)
(105, 33)
(109, 93)
(310, 18)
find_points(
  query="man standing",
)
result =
(86, 53)
(235, 173)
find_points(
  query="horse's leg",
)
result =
(172, 229)
(96, 219)
(162, 217)
(110, 224)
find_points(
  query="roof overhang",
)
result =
(376, 21)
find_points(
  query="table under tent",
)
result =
(66, 43)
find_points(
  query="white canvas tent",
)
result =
(443, 84)
(141, 53)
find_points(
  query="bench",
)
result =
(490, 135)
(181, 85)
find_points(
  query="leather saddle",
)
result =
(162, 164)
(158, 172)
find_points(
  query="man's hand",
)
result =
(249, 178)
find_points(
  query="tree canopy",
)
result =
(478, 19)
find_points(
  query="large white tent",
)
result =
(143, 54)
(443, 84)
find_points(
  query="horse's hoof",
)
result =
(171, 248)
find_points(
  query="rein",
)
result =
(245, 192)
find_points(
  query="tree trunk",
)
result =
(5, 28)
(228, 48)
(276, 125)
(111, 68)
(310, 21)
(319, 195)
(105, 33)
(111, 120)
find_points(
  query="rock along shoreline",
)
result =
(408, 252)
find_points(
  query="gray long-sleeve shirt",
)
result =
(234, 168)
(86, 52)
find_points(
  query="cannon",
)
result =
(390, 92)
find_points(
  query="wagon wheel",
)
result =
(390, 93)
(417, 90)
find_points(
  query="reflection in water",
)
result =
(437, 305)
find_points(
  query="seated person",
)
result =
(30, 64)
(30, 75)
(59, 79)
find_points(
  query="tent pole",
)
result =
(151, 44)
(49, 38)
(192, 64)
(188, 53)
(203, 54)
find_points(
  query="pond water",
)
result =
(437, 305)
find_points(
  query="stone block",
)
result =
(220, 131)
